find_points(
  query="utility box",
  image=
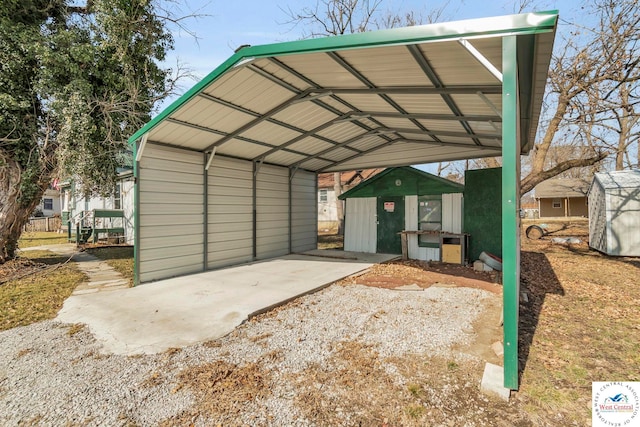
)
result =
(453, 248)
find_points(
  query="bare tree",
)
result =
(589, 77)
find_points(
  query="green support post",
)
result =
(510, 203)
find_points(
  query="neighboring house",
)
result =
(81, 209)
(402, 199)
(49, 205)
(614, 213)
(562, 197)
(327, 198)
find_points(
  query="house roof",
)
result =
(562, 187)
(619, 179)
(419, 175)
(350, 178)
(394, 97)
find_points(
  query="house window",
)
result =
(47, 204)
(430, 218)
(557, 204)
(117, 198)
(323, 196)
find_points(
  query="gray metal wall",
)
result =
(171, 212)
(272, 204)
(230, 212)
(304, 221)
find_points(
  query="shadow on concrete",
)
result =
(537, 280)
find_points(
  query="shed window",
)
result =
(117, 197)
(557, 204)
(323, 195)
(430, 218)
(47, 204)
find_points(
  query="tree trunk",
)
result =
(337, 189)
(14, 213)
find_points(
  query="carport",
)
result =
(227, 173)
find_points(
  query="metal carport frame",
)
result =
(423, 94)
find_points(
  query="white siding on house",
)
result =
(327, 210)
(230, 212)
(272, 206)
(411, 224)
(304, 224)
(360, 225)
(171, 240)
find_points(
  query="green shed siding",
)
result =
(412, 182)
(483, 211)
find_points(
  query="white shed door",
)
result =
(360, 230)
(452, 213)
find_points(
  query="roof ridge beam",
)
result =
(421, 90)
(433, 116)
(446, 133)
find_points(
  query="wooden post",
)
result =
(405, 245)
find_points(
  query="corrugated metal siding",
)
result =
(623, 208)
(597, 218)
(452, 212)
(360, 225)
(411, 223)
(304, 223)
(230, 211)
(272, 205)
(171, 240)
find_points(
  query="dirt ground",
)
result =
(579, 323)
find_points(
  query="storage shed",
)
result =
(614, 213)
(402, 199)
(227, 173)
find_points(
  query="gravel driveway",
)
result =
(269, 371)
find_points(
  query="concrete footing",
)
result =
(493, 382)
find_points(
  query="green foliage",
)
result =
(75, 83)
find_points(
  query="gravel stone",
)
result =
(50, 376)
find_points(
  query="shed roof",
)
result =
(562, 187)
(618, 179)
(386, 98)
(371, 187)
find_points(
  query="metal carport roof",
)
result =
(386, 98)
(406, 96)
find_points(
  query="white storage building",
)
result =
(614, 213)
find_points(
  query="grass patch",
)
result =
(118, 257)
(330, 241)
(39, 296)
(585, 331)
(38, 238)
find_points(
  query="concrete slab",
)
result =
(493, 382)
(154, 317)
